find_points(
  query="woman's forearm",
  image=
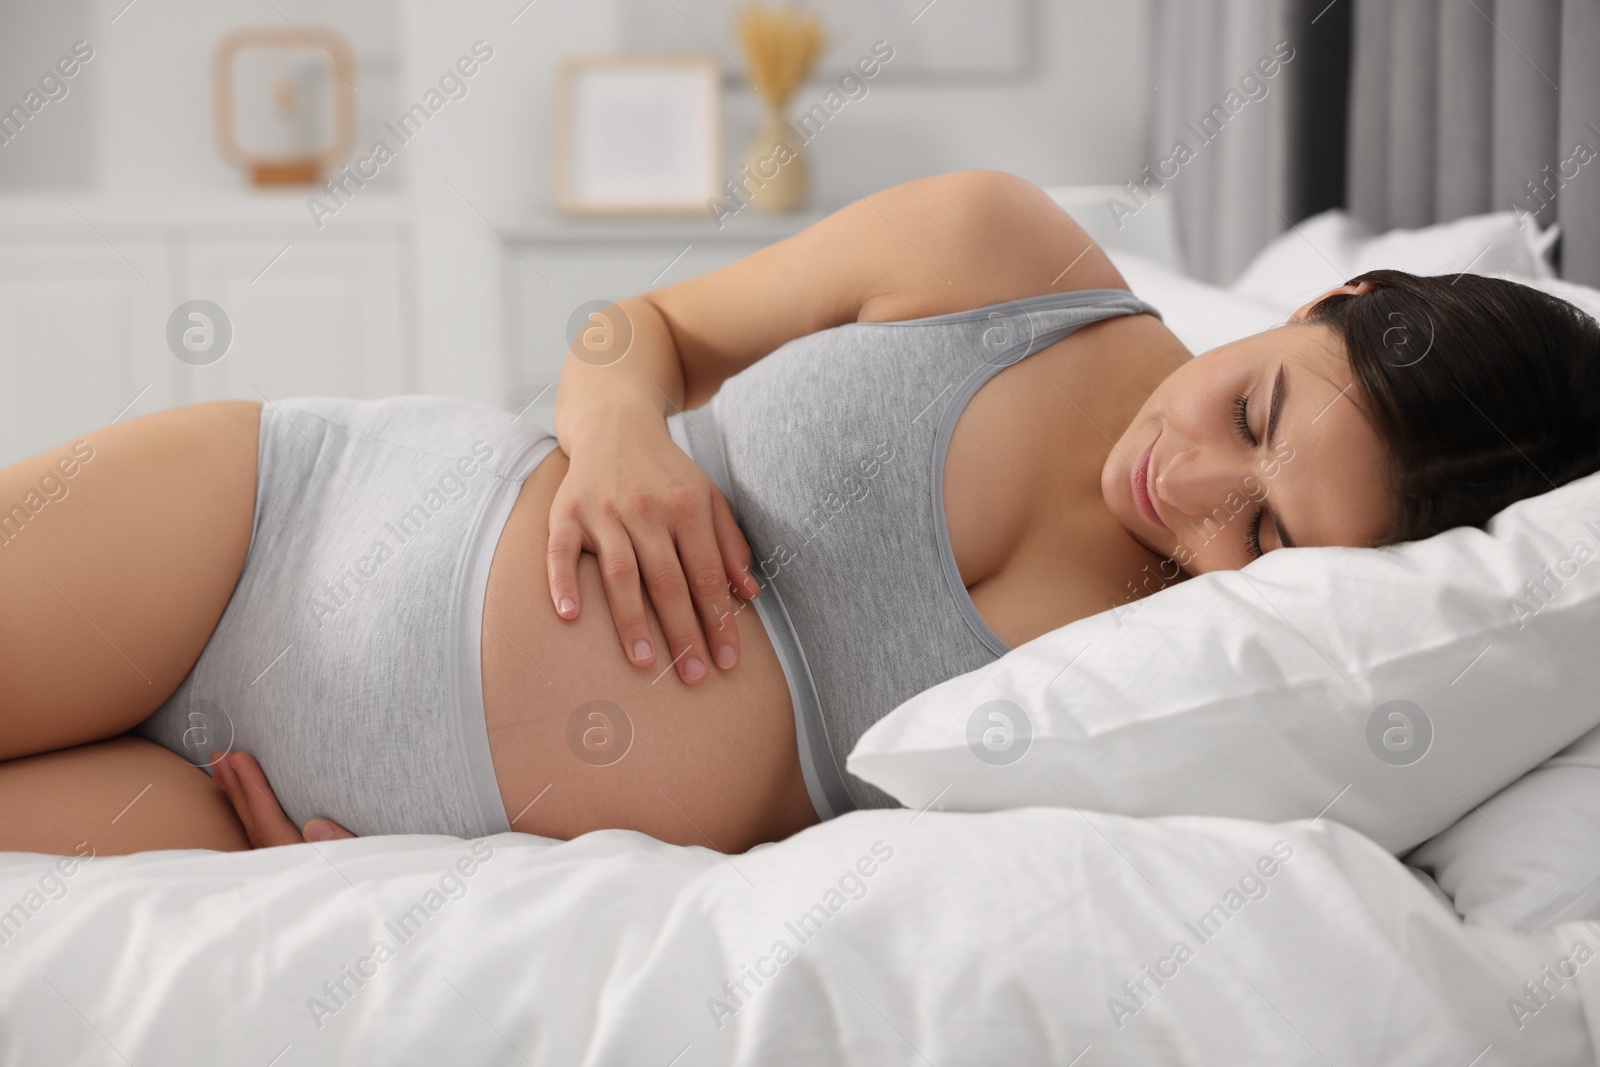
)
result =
(622, 361)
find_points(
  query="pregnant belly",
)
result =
(584, 740)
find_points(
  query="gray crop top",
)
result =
(831, 451)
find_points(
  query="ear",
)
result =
(1353, 288)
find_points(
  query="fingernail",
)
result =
(567, 605)
(641, 651)
(693, 669)
(725, 657)
(319, 831)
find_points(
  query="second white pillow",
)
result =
(1390, 688)
(1328, 249)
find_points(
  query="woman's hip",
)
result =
(347, 661)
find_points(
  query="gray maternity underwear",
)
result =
(347, 661)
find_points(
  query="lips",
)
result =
(1140, 482)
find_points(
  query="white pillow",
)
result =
(1529, 857)
(1328, 249)
(1269, 693)
(1201, 316)
(1582, 295)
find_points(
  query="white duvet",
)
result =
(1034, 936)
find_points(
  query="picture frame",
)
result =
(637, 134)
(284, 104)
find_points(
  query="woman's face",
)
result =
(1255, 445)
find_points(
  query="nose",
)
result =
(1196, 480)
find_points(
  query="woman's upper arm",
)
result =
(940, 244)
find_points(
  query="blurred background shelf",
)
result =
(282, 211)
(749, 225)
(450, 272)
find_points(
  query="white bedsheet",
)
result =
(998, 938)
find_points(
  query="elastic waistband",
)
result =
(472, 583)
(697, 433)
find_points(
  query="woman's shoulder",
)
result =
(1009, 240)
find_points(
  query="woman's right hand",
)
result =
(646, 511)
(265, 824)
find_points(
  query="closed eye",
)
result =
(1252, 535)
(1241, 420)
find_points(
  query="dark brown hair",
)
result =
(1484, 391)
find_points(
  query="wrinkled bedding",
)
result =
(1047, 936)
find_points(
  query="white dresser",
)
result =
(87, 284)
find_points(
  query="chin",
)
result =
(1114, 477)
(1119, 498)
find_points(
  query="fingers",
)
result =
(662, 571)
(561, 560)
(264, 820)
(679, 547)
(223, 775)
(272, 825)
(736, 555)
(325, 830)
(701, 555)
(619, 573)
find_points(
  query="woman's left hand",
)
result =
(265, 823)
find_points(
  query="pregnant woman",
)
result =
(781, 498)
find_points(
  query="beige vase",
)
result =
(776, 166)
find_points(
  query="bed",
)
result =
(1035, 936)
(1051, 935)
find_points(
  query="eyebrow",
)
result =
(1275, 409)
(1280, 393)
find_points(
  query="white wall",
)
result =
(58, 143)
(1077, 119)
(482, 159)
(155, 116)
(138, 124)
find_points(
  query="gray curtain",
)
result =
(1459, 107)
(1231, 197)
(1259, 166)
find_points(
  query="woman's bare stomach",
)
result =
(584, 740)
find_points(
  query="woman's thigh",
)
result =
(112, 798)
(118, 553)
